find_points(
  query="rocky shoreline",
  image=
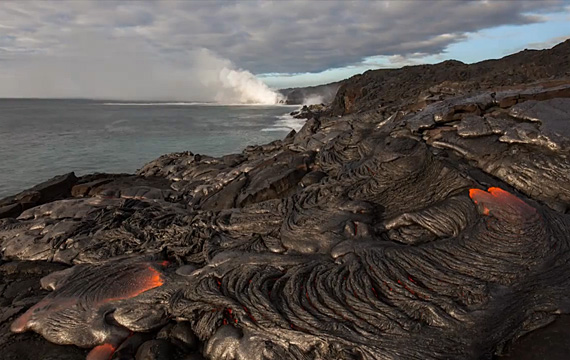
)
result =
(426, 221)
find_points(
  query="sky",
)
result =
(234, 50)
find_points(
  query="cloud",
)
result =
(149, 49)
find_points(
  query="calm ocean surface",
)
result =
(43, 138)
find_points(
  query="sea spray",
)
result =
(286, 123)
(230, 84)
(243, 87)
(92, 65)
(313, 100)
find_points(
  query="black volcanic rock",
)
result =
(550, 343)
(56, 188)
(393, 88)
(311, 95)
(430, 228)
(156, 350)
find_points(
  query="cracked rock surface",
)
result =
(435, 231)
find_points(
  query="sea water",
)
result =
(43, 138)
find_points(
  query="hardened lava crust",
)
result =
(439, 229)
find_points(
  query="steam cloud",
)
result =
(229, 85)
(245, 88)
(89, 65)
(313, 99)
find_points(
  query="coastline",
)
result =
(42, 139)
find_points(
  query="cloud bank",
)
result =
(157, 50)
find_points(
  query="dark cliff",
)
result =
(385, 87)
(311, 94)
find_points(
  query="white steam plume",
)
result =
(313, 99)
(89, 64)
(243, 87)
(230, 85)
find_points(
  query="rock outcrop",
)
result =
(56, 188)
(391, 89)
(311, 95)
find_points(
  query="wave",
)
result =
(186, 104)
(277, 129)
(157, 103)
(286, 123)
(120, 126)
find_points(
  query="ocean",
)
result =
(43, 138)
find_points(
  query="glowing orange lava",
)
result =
(101, 352)
(145, 280)
(497, 197)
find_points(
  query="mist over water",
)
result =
(177, 108)
(231, 85)
(313, 99)
(89, 65)
(245, 88)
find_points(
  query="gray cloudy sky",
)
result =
(168, 49)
